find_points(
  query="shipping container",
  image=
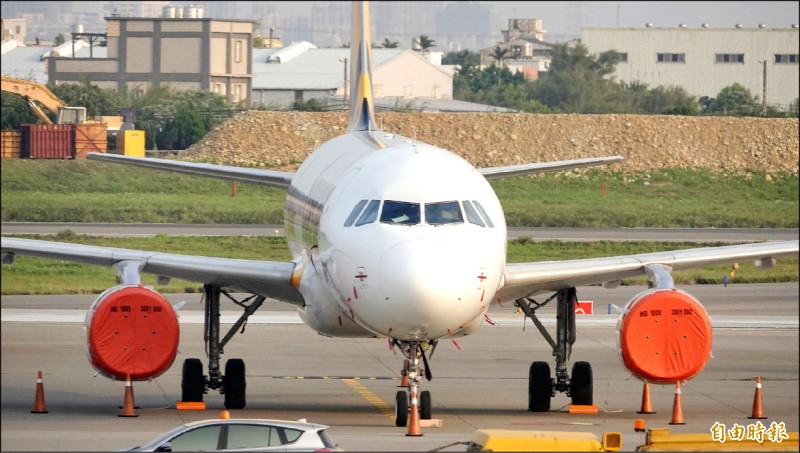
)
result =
(11, 144)
(90, 138)
(130, 143)
(47, 141)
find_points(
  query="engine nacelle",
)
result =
(131, 330)
(664, 336)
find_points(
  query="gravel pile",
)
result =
(283, 139)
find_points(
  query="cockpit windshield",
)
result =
(443, 213)
(400, 212)
(395, 212)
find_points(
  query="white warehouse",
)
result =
(705, 60)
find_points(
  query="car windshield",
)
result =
(203, 438)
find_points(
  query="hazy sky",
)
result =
(569, 17)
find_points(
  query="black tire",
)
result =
(539, 387)
(581, 388)
(425, 411)
(193, 382)
(401, 408)
(235, 384)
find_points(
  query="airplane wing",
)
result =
(525, 279)
(267, 278)
(542, 167)
(280, 179)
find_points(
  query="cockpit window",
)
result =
(483, 213)
(472, 214)
(400, 213)
(443, 213)
(370, 214)
(356, 211)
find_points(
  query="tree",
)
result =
(311, 105)
(425, 43)
(499, 55)
(259, 42)
(734, 100)
(60, 39)
(576, 81)
(389, 44)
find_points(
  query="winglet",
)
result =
(362, 110)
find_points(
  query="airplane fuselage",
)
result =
(400, 239)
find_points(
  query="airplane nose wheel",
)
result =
(413, 370)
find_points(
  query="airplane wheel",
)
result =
(235, 384)
(425, 405)
(539, 387)
(401, 409)
(192, 384)
(581, 387)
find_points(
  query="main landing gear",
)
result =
(414, 366)
(541, 385)
(232, 383)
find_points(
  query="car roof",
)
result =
(257, 421)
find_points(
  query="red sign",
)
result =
(584, 307)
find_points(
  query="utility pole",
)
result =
(271, 29)
(344, 97)
(764, 89)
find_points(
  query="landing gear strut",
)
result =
(232, 384)
(415, 366)
(541, 386)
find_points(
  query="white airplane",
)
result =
(393, 239)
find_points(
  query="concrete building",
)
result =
(705, 60)
(16, 29)
(187, 53)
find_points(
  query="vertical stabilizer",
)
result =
(362, 110)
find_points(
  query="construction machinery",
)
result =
(37, 94)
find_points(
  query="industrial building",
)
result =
(704, 60)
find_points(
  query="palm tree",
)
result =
(389, 44)
(499, 55)
(426, 43)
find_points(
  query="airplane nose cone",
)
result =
(424, 282)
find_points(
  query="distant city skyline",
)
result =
(326, 23)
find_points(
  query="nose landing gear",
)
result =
(412, 403)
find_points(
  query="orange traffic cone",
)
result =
(127, 406)
(38, 405)
(413, 417)
(404, 373)
(677, 407)
(647, 407)
(758, 411)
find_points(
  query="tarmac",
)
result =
(479, 381)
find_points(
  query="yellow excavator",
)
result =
(36, 93)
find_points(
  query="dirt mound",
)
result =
(284, 139)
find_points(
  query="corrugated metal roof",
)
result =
(315, 69)
(25, 63)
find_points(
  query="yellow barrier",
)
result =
(518, 440)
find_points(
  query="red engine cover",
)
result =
(132, 331)
(665, 336)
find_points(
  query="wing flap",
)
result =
(271, 279)
(272, 178)
(522, 279)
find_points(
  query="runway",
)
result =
(566, 234)
(480, 381)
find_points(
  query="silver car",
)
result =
(223, 434)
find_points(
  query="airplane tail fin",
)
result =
(362, 109)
